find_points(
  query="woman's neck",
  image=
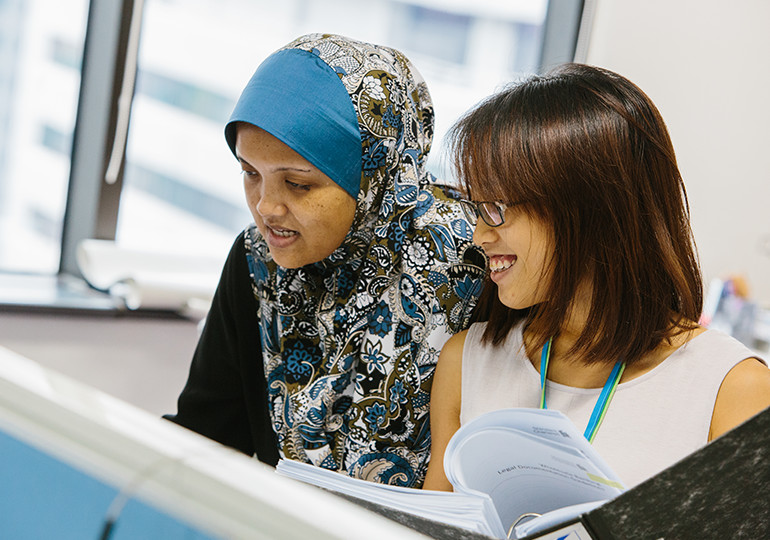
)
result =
(564, 367)
(571, 369)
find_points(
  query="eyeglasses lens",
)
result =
(470, 211)
(491, 214)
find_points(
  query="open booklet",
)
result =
(503, 465)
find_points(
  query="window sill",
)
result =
(62, 293)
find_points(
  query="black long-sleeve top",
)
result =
(225, 397)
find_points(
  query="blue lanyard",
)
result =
(602, 403)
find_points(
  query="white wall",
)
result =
(141, 360)
(706, 65)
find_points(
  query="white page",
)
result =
(474, 512)
(548, 424)
(524, 473)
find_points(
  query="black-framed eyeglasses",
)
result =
(492, 212)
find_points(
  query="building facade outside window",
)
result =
(41, 43)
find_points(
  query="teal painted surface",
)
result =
(42, 497)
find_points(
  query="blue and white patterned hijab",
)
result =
(350, 343)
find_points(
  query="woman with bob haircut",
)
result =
(595, 280)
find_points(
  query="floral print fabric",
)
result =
(350, 343)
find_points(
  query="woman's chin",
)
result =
(293, 258)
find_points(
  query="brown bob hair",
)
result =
(591, 154)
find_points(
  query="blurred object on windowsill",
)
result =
(152, 280)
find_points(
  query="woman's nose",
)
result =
(270, 203)
(483, 233)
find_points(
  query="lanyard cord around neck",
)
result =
(602, 403)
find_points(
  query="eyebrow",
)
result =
(276, 169)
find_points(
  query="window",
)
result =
(429, 32)
(193, 63)
(41, 43)
(180, 188)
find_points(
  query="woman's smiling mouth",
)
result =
(498, 264)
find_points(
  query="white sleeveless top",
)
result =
(653, 420)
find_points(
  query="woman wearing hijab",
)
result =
(325, 328)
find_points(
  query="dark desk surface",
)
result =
(721, 491)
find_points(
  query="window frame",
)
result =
(92, 204)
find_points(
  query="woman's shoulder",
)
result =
(455, 345)
(719, 346)
(744, 392)
(473, 334)
(475, 338)
(702, 358)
